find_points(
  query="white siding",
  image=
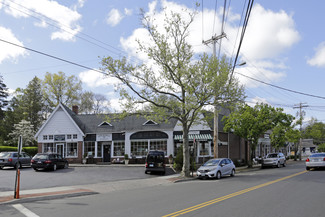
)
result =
(60, 123)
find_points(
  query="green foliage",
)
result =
(61, 88)
(251, 122)
(126, 157)
(31, 151)
(315, 130)
(178, 161)
(321, 147)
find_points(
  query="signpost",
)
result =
(17, 182)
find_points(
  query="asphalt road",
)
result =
(288, 191)
(71, 176)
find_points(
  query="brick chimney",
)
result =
(75, 109)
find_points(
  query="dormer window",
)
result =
(105, 124)
(150, 122)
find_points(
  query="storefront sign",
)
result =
(104, 137)
(59, 137)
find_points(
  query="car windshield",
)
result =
(41, 156)
(4, 154)
(318, 155)
(272, 156)
(212, 162)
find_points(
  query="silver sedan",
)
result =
(316, 160)
(216, 168)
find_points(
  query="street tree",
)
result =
(293, 135)
(282, 123)
(174, 83)
(251, 122)
(58, 88)
(26, 130)
(314, 130)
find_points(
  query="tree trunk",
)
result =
(186, 153)
(215, 133)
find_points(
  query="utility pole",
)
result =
(301, 114)
(214, 40)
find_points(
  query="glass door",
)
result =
(60, 149)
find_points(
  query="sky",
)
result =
(283, 46)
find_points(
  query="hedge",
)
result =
(29, 150)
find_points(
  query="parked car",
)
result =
(50, 161)
(316, 160)
(10, 159)
(155, 162)
(216, 168)
(274, 159)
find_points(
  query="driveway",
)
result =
(74, 175)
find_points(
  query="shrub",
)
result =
(29, 150)
(178, 162)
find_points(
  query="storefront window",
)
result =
(139, 148)
(99, 150)
(204, 149)
(160, 145)
(49, 148)
(119, 148)
(72, 149)
(89, 148)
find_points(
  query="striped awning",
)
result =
(198, 137)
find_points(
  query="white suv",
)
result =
(274, 159)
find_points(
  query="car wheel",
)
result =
(278, 165)
(18, 165)
(284, 164)
(146, 172)
(1, 167)
(66, 165)
(54, 167)
(35, 169)
(262, 167)
(232, 173)
(218, 175)
(307, 168)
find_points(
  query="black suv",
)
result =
(155, 162)
(48, 161)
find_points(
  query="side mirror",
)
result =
(222, 165)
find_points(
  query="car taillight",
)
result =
(32, 161)
(47, 161)
(307, 160)
(10, 159)
(146, 165)
(324, 159)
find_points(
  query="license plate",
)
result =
(39, 162)
(150, 165)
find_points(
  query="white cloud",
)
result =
(269, 34)
(128, 12)
(319, 58)
(48, 11)
(8, 51)
(96, 79)
(114, 17)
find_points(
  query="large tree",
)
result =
(315, 130)
(59, 87)
(251, 122)
(174, 83)
(31, 102)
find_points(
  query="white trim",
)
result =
(146, 123)
(52, 114)
(102, 124)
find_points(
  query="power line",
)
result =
(282, 88)
(54, 57)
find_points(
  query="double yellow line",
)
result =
(208, 203)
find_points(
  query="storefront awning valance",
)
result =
(198, 137)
